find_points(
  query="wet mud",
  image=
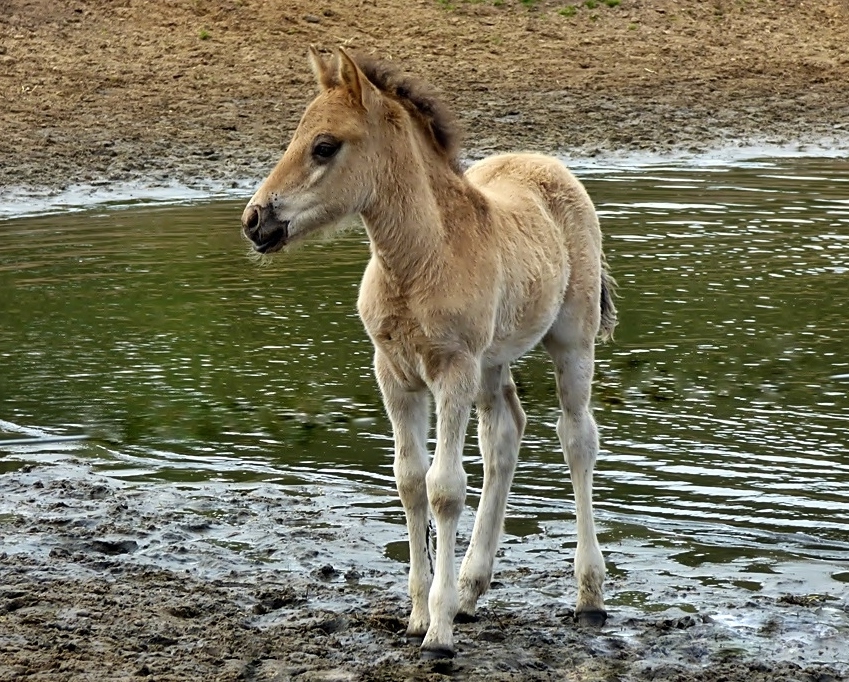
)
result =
(107, 580)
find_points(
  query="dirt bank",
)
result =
(99, 91)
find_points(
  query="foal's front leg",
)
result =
(409, 413)
(454, 390)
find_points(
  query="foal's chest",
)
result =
(393, 328)
(402, 342)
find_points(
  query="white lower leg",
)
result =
(409, 413)
(502, 423)
(410, 479)
(446, 491)
(579, 436)
(446, 485)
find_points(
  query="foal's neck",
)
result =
(411, 220)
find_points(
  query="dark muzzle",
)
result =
(264, 229)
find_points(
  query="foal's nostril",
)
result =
(250, 221)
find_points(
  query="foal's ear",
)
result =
(319, 68)
(352, 77)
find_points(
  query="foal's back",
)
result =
(545, 226)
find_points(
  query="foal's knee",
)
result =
(502, 467)
(410, 479)
(446, 491)
(500, 462)
(579, 435)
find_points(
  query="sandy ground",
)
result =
(100, 581)
(105, 91)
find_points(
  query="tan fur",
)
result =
(468, 272)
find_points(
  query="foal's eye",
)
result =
(325, 150)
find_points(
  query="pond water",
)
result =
(722, 403)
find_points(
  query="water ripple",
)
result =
(722, 404)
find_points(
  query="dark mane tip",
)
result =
(419, 99)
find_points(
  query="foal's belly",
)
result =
(512, 343)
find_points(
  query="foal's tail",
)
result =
(609, 317)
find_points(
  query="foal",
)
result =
(467, 273)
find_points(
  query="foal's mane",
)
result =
(421, 102)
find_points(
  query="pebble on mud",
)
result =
(327, 572)
(273, 600)
(113, 547)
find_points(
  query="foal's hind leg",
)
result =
(500, 428)
(570, 342)
(409, 413)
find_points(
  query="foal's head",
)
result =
(350, 134)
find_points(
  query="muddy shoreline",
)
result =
(107, 580)
(636, 125)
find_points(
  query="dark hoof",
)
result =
(436, 654)
(415, 640)
(591, 619)
(465, 618)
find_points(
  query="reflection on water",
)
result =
(722, 404)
